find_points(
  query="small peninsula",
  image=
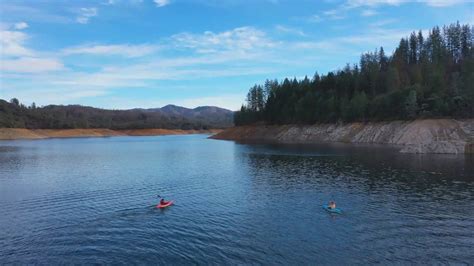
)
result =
(421, 98)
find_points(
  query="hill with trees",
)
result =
(201, 113)
(13, 114)
(425, 77)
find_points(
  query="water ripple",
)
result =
(93, 201)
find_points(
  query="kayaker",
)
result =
(332, 205)
(163, 202)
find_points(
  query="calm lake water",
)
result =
(92, 201)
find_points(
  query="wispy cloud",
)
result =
(435, 3)
(109, 2)
(237, 40)
(20, 25)
(368, 13)
(443, 3)
(237, 52)
(376, 37)
(12, 43)
(243, 51)
(31, 13)
(349, 4)
(31, 65)
(341, 10)
(289, 30)
(334, 14)
(240, 50)
(161, 3)
(314, 19)
(85, 13)
(381, 23)
(16, 57)
(125, 50)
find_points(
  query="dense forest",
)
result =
(14, 114)
(430, 76)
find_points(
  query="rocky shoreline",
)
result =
(447, 136)
(22, 133)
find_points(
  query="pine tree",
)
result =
(424, 77)
(413, 48)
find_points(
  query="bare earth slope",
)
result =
(418, 136)
(22, 133)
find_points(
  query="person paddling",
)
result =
(332, 205)
(163, 202)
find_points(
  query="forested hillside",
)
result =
(426, 76)
(13, 114)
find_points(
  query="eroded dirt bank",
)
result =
(418, 136)
(22, 133)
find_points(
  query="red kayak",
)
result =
(164, 205)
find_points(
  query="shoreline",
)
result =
(23, 133)
(441, 136)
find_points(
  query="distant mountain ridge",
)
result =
(14, 114)
(180, 110)
(215, 113)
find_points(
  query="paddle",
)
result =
(161, 198)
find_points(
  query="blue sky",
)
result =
(147, 53)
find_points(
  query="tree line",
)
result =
(430, 76)
(14, 114)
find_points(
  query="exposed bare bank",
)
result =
(22, 133)
(419, 136)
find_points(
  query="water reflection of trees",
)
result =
(363, 169)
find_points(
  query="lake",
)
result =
(92, 200)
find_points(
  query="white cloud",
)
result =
(289, 30)
(334, 14)
(340, 11)
(11, 10)
(161, 3)
(383, 22)
(368, 13)
(85, 14)
(376, 37)
(16, 58)
(20, 25)
(241, 39)
(358, 3)
(234, 53)
(45, 95)
(352, 44)
(12, 44)
(314, 19)
(125, 50)
(143, 74)
(31, 65)
(109, 2)
(435, 3)
(442, 3)
(331, 12)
